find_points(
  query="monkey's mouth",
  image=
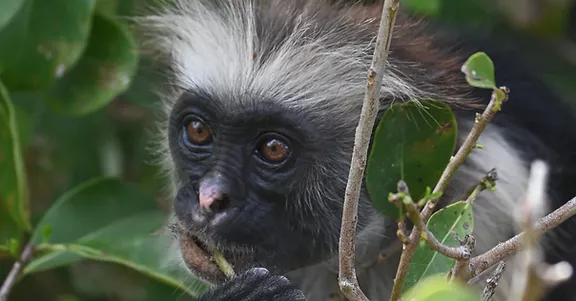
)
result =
(198, 258)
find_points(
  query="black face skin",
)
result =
(257, 221)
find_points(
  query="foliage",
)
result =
(436, 288)
(418, 167)
(74, 121)
(448, 225)
(61, 63)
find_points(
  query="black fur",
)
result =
(267, 226)
(256, 284)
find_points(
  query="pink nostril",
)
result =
(214, 192)
(210, 197)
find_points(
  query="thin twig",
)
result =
(347, 274)
(469, 144)
(492, 282)
(455, 162)
(15, 271)
(402, 232)
(503, 250)
(461, 267)
(407, 253)
(487, 182)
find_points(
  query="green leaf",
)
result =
(8, 8)
(111, 280)
(456, 219)
(58, 257)
(113, 221)
(108, 7)
(413, 143)
(128, 242)
(426, 7)
(479, 71)
(437, 288)
(46, 233)
(42, 41)
(104, 71)
(26, 120)
(14, 215)
(91, 207)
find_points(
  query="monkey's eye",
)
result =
(274, 151)
(198, 133)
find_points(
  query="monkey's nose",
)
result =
(213, 192)
(211, 198)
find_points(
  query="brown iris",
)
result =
(275, 151)
(198, 132)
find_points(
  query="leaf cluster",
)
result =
(413, 145)
(72, 58)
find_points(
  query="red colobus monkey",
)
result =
(260, 128)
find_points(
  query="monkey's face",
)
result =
(257, 181)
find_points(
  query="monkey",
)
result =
(260, 111)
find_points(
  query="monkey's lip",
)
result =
(198, 259)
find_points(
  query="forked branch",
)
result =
(455, 162)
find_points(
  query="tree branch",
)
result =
(492, 282)
(461, 267)
(503, 250)
(15, 271)
(347, 274)
(455, 162)
(466, 148)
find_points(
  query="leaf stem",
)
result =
(224, 265)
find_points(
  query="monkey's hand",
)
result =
(256, 284)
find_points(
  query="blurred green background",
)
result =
(62, 150)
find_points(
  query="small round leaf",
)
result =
(479, 71)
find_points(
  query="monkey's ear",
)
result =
(255, 285)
